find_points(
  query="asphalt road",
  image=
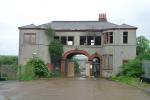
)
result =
(70, 89)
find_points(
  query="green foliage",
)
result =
(76, 66)
(56, 73)
(132, 69)
(126, 80)
(39, 66)
(142, 45)
(56, 50)
(34, 68)
(50, 32)
(9, 60)
(55, 47)
(143, 56)
(26, 72)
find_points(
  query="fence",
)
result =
(146, 67)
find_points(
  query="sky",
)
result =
(15, 13)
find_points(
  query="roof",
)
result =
(78, 25)
(29, 26)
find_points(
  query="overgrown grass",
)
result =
(26, 73)
(136, 82)
(56, 74)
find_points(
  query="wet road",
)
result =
(70, 89)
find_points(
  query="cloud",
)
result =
(15, 13)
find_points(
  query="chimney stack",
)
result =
(102, 17)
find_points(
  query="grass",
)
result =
(136, 82)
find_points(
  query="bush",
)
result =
(133, 68)
(39, 66)
(35, 67)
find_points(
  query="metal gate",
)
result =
(96, 69)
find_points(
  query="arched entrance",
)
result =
(96, 65)
(93, 66)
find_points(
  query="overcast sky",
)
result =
(15, 13)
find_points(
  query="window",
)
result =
(70, 40)
(108, 61)
(82, 40)
(29, 38)
(64, 40)
(111, 37)
(90, 40)
(108, 38)
(56, 37)
(97, 40)
(125, 37)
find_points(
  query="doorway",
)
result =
(96, 67)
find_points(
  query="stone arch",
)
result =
(95, 55)
(66, 54)
(76, 51)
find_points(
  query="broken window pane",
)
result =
(90, 40)
(70, 40)
(97, 40)
(64, 40)
(82, 40)
(56, 37)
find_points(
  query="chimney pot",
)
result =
(102, 17)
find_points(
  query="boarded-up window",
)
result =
(29, 38)
(108, 61)
(125, 61)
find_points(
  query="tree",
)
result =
(142, 45)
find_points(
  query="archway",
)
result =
(72, 58)
(96, 65)
(90, 63)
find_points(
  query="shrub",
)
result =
(39, 66)
(133, 68)
(35, 67)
